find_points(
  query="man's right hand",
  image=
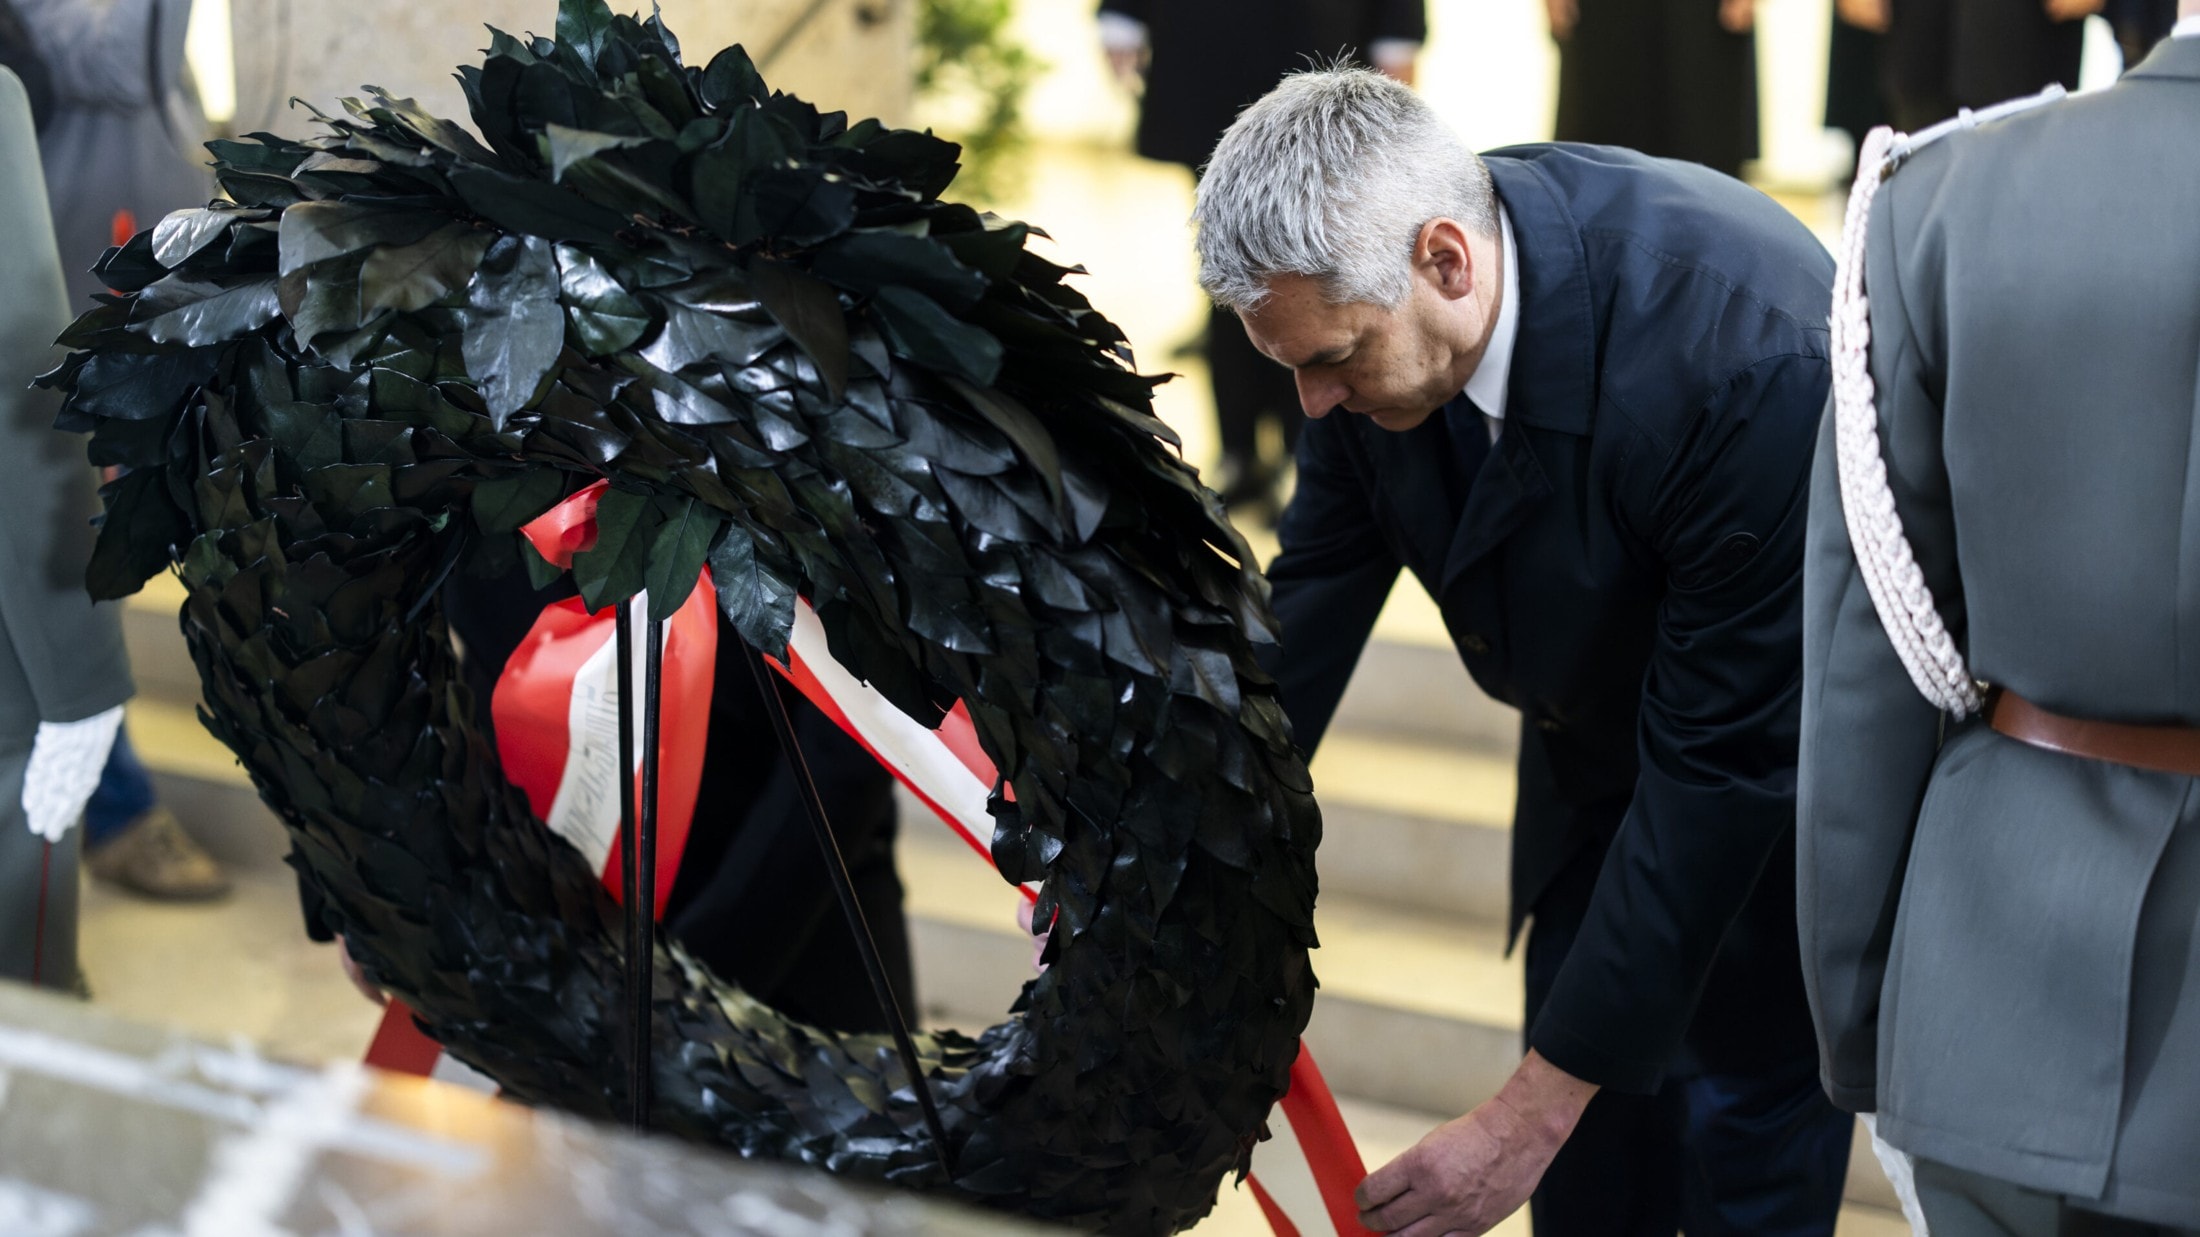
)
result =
(1564, 13)
(358, 977)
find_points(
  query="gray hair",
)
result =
(1332, 175)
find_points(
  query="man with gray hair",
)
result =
(1574, 390)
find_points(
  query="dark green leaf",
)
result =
(584, 25)
(316, 231)
(142, 532)
(197, 314)
(535, 207)
(731, 78)
(322, 299)
(513, 323)
(415, 276)
(810, 310)
(507, 503)
(130, 266)
(865, 262)
(433, 129)
(616, 567)
(920, 329)
(800, 206)
(676, 556)
(185, 232)
(691, 337)
(1022, 428)
(135, 387)
(757, 602)
(570, 146)
(605, 318)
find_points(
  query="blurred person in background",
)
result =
(121, 150)
(1941, 56)
(1999, 887)
(63, 676)
(1856, 94)
(1195, 64)
(1675, 78)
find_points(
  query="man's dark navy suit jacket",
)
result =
(1624, 565)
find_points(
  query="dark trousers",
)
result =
(1757, 1150)
(1967, 1204)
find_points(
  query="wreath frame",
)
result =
(394, 343)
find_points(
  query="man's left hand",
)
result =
(1737, 16)
(1473, 1172)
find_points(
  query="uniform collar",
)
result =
(2177, 56)
(1492, 376)
(1553, 357)
(2186, 28)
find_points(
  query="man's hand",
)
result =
(1737, 16)
(1872, 15)
(1473, 1172)
(358, 977)
(2074, 10)
(1564, 13)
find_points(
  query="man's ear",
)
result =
(1442, 256)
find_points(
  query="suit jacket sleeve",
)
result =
(1724, 512)
(1869, 739)
(1329, 581)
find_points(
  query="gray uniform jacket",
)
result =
(1999, 941)
(61, 658)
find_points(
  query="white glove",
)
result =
(1900, 1175)
(66, 760)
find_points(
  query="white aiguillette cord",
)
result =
(1883, 554)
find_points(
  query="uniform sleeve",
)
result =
(1869, 739)
(1330, 580)
(1716, 791)
(69, 650)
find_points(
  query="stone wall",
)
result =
(850, 55)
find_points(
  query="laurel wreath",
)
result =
(394, 343)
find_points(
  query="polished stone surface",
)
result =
(108, 1126)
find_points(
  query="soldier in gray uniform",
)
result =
(63, 676)
(1999, 817)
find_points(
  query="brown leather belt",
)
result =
(2165, 749)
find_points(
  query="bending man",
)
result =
(1574, 390)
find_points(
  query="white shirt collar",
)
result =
(1491, 378)
(2189, 28)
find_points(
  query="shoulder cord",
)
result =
(1883, 555)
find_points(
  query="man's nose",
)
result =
(1319, 396)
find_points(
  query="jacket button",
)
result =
(1548, 725)
(1474, 644)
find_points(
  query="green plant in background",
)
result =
(966, 53)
